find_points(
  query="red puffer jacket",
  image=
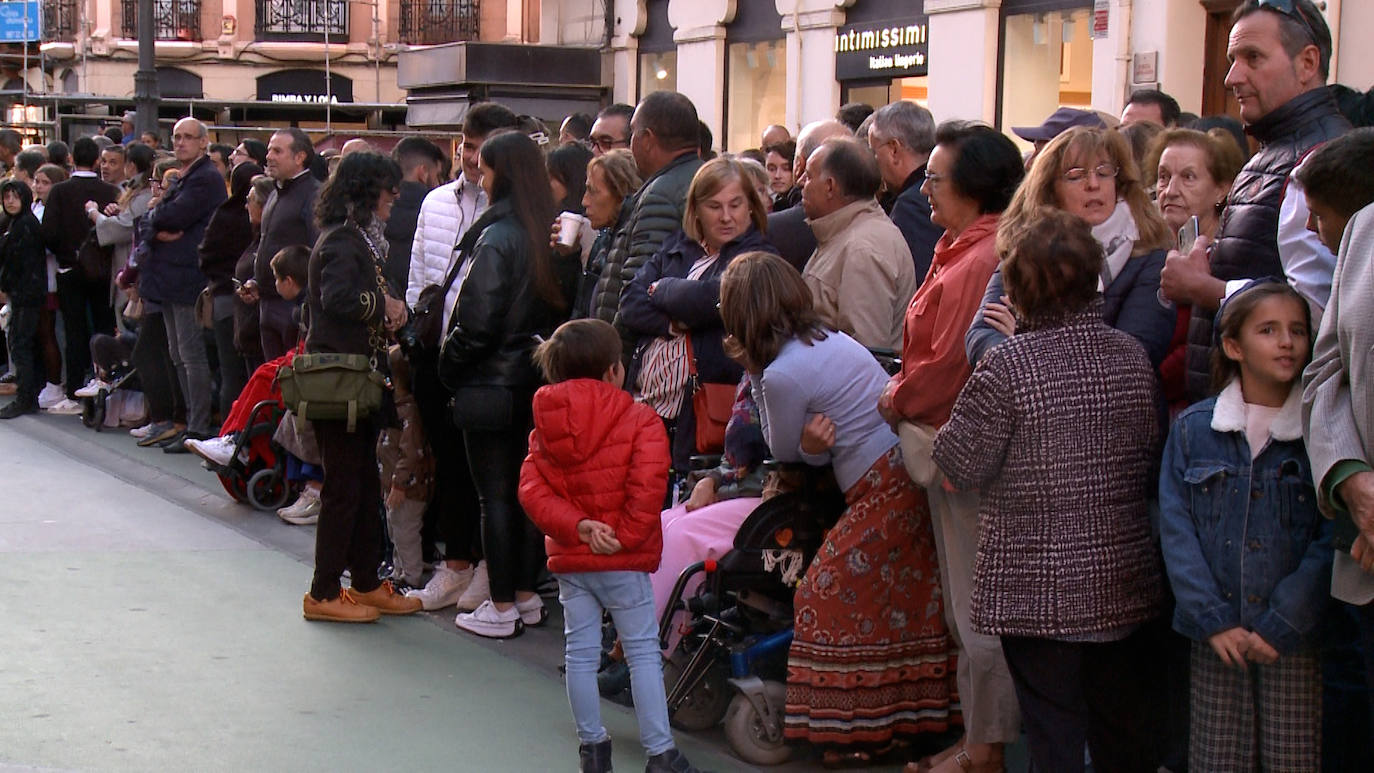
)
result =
(595, 453)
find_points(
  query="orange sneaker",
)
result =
(387, 601)
(344, 609)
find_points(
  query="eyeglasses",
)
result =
(1102, 171)
(935, 179)
(1292, 10)
(610, 143)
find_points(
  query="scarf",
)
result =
(1117, 235)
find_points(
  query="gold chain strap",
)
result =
(377, 338)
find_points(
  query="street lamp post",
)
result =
(145, 80)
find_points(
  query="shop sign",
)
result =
(304, 87)
(20, 21)
(889, 49)
(1101, 15)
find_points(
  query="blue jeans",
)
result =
(630, 600)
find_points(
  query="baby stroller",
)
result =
(114, 397)
(256, 472)
(731, 663)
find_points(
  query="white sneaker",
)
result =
(532, 612)
(478, 590)
(216, 450)
(66, 408)
(490, 622)
(306, 510)
(50, 395)
(142, 432)
(443, 589)
(92, 388)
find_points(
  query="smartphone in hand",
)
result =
(1187, 235)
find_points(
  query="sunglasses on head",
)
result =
(1292, 10)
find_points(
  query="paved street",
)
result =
(152, 624)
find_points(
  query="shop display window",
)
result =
(657, 72)
(757, 92)
(1047, 64)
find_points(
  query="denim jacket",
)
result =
(1243, 541)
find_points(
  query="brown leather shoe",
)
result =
(344, 609)
(386, 600)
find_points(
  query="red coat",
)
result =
(595, 453)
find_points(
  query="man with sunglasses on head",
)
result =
(1280, 52)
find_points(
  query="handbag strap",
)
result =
(378, 335)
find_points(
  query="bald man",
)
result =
(773, 135)
(355, 145)
(787, 230)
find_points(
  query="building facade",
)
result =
(750, 63)
(265, 63)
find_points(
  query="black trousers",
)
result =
(454, 510)
(23, 352)
(156, 372)
(1106, 696)
(86, 310)
(277, 327)
(514, 548)
(233, 371)
(349, 534)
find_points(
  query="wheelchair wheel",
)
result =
(93, 412)
(705, 705)
(267, 490)
(744, 728)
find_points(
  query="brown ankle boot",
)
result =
(342, 609)
(387, 601)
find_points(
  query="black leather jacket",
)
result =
(1247, 243)
(500, 318)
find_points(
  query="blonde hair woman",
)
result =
(1091, 173)
(671, 307)
(611, 178)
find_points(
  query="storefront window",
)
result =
(757, 79)
(657, 72)
(1047, 64)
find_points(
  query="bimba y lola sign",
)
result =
(893, 49)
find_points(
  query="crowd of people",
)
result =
(1118, 496)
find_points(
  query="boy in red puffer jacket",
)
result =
(593, 483)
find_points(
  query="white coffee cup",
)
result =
(570, 228)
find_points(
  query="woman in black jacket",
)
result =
(675, 298)
(352, 312)
(514, 293)
(226, 237)
(24, 281)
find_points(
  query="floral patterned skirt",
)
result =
(871, 658)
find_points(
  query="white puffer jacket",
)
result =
(437, 231)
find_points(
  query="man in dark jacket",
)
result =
(788, 229)
(1279, 68)
(902, 136)
(171, 276)
(288, 218)
(66, 223)
(664, 135)
(420, 161)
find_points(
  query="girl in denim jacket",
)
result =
(1247, 553)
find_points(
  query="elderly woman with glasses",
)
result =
(1091, 173)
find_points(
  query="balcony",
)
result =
(307, 21)
(429, 22)
(172, 19)
(59, 20)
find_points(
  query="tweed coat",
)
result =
(1057, 428)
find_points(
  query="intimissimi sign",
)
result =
(887, 49)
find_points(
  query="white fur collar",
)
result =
(1229, 413)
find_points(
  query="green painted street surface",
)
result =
(150, 624)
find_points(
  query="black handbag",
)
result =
(483, 408)
(95, 262)
(425, 328)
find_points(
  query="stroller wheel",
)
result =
(709, 697)
(747, 733)
(93, 412)
(267, 490)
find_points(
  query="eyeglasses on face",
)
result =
(1102, 171)
(606, 142)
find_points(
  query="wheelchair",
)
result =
(256, 473)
